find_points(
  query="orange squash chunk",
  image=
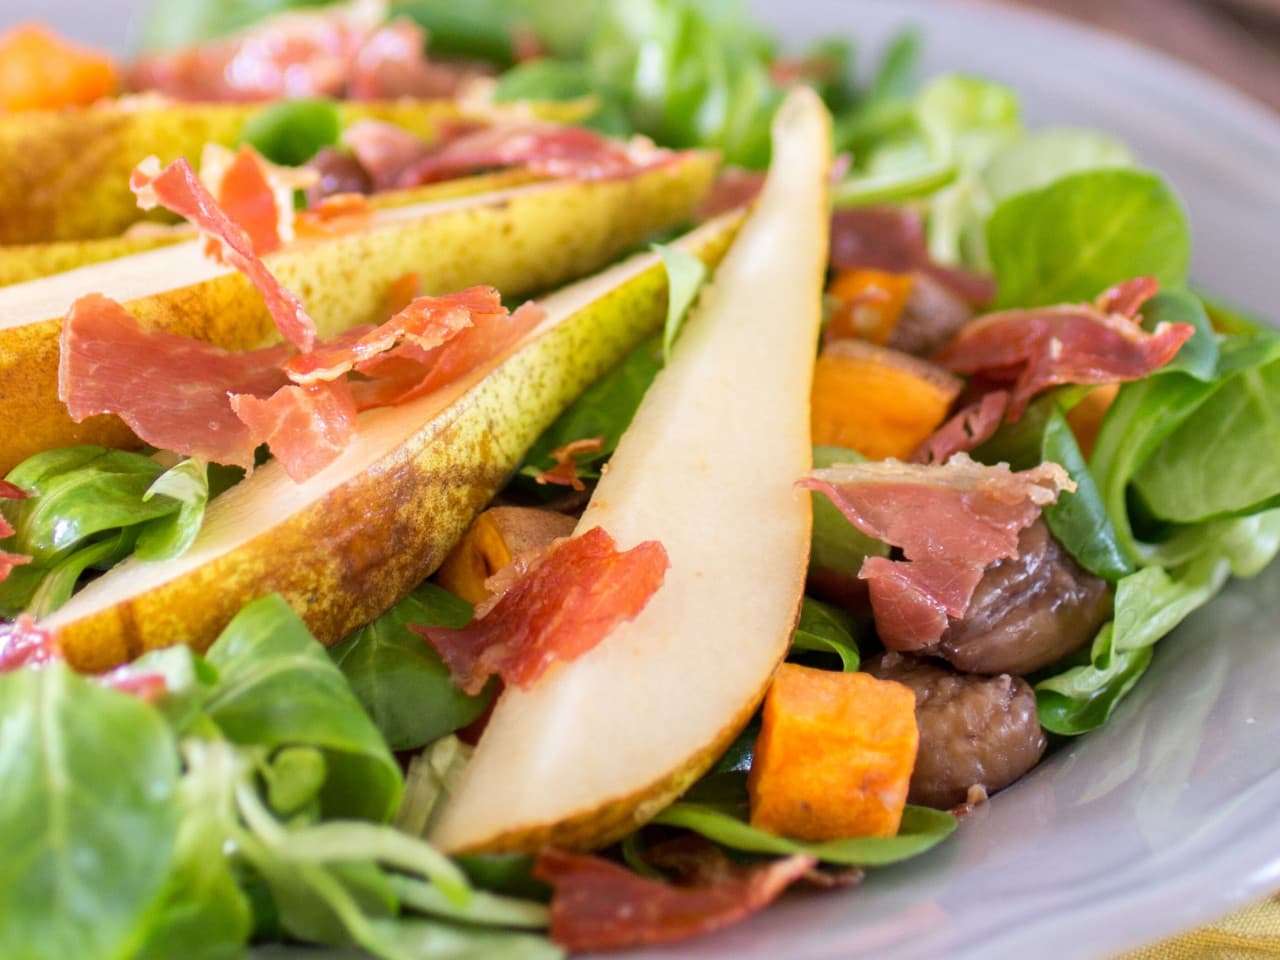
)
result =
(870, 304)
(880, 402)
(41, 71)
(497, 537)
(834, 756)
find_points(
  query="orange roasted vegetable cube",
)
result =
(880, 402)
(870, 304)
(834, 756)
(41, 71)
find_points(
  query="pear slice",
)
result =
(64, 175)
(22, 262)
(520, 240)
(599, 745)
(351, 541)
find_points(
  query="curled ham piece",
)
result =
(565, 471)
(1032, 350)
(966, 431)
(344, 51)
(24, 644)
(893, 239)
(600, 905)
(951, 522)
(564, 603)
(306, 427)
(544, 149)
(178, 189)
(409, 372)
(426, 323)
(191, 397)
(172, 391)
(8, 561)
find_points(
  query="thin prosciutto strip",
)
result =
(344, 51)
(408, 372)
(600, 905)
(26, 645)
(1032, 350)
(8, 561)
(967, 430)
(893, 239)
(544, 149)
(951, 522)
(306, 427)
(562, 606)
(172, 391)
(426, 323)
(565, 471)
(178, 189)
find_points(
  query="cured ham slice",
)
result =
(178, 189)
(565, 471)
(893, 239)
(966, 431)
(1032, 350)
(564, 604)
(408, 372)
(426, 323)
(544, 149)
(8, 561)
(383, 150)
(391, 64)
(951, 522)
(306, 427)
(344, 51)
(600, 905)
(172, 391)
(23, 644)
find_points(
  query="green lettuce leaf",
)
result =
(1148, 605)
(922, 829)
(277, 687)
(685, 276)
(291, 132)
(826, 629)
(398, 677)
(1079, 520)
(1071, 240)
(91, 815)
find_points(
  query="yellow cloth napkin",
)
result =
(1248, 935)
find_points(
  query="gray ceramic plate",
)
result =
(1167, 818)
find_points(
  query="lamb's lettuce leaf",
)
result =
(1224, 459)
(604, 410)
(90, 812)
(277, 687)
(826, 629)
(91, 507)
(1079, 520)
(1071, 240)
(400, 680)
(1148, 605)
(685, 276)
(726, 824)
(291, 132)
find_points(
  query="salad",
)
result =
(508, 479)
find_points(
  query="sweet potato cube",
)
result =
(878, 401)
(497, 537)
(40, 70)
(834, 756)
(870, 304)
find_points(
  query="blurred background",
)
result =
(1237, 40)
